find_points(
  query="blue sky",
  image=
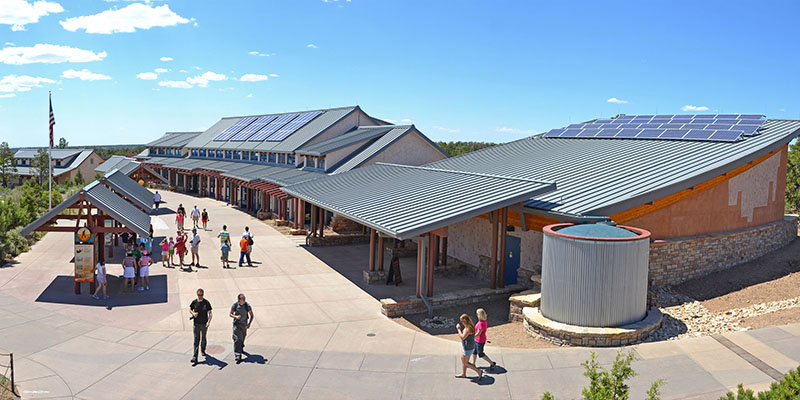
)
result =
(488, 71)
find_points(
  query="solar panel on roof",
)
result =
(253, 128)
(273, 126)
(234, 129)
(293, 126)
(725, 136)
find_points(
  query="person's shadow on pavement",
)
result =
(253, 358)
(211, 360)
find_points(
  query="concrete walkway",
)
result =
(316, 335)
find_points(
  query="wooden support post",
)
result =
(371, 250)
(503, 250)
(380, 253)
(296, 204)
(264, 204)
(431, 257)
(444, 251)
(313, 220)
(493, 265)
(321, 222)
(419, 267)
(302, 214)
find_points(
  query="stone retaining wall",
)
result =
(537, 325)
(415, 305)
(677, 260)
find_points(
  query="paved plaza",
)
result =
(316, 335)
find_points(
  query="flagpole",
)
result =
(50, 155)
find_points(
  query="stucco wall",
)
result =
(87, 168)
(334, 157)
(410, 149)
(469, 240)
(752, 198)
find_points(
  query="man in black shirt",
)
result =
(200, 311)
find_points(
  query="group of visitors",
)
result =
(200, 312)
(245, 246)
(473, 340)
(197, 216)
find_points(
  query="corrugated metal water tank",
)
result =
(594, 274)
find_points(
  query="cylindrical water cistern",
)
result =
(595, 275)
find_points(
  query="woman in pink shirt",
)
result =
(480, 339)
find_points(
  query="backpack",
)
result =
(250, 240)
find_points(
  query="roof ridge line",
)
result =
(468, 173)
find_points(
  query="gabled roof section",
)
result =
(404, 201)
(76, 158)
(379, 145)
(357, 136)
(56, 154)
(125, 165)
(129, 189)
(601, 177)
(105, 200)
(174, 139)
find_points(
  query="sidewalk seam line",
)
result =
(749, 357)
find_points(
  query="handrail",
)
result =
(10, 367)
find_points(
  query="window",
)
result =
(290, 159)
(202, 153)
(219, 153)
(310, 162)
(272, 157)
(195, 153)
(263, 157)
(58, 163)
(253, 156)
(228, 154)
(237, 155)
(321, 163)
(281, 158)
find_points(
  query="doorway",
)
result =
(513, 246)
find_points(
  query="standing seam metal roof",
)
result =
(606, 176)
(360, 135)
(133, 191)
(174, 139)
(405, 201)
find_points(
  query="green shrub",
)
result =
(787, 389)
(610, 385)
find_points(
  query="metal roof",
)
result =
(79, 156)
(174, 139)
(57, 154)
(241, 170)
(405, 201)
(105, 200)
(606, 176)
(128, 188)
(358, 159)
(359, 135)
(126, 165)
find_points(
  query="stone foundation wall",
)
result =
(341, 224)
(415, 305)
(536, 325)
(338, 240)
(677, 260)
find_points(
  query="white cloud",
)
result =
(8, 95)
(84, 75)
(391, 121)
(312, 46)
(184, 71)
(407, 120)
(19, 13)
(202, 80)
(253, 53)
(273, 75)
(127, 19)
(161, 70)
(175, 84)
(148, 76)
(615, 100)
(9, 44)
(448, 130)
(47, 54)
(21, 83)
(166, 58)
(690, 107)
(249, 95)
(516, 131)
(253, 78)
(782, 110)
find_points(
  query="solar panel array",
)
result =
(253, 128)
(702, 127)
(235, 128)
(296, 124)
(273, 126)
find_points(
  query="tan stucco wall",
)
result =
(87, 168)
(411, 149)
(335, 157)
(754, 197)
(470, 239)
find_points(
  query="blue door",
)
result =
(513, 245)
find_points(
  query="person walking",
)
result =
(102, 280)
(480, 339)
(180, 246)
(179, 221)
(157, 199)
(204, 219)
(171, 252)
(128, 271)
(181, 210)
(242, 315)
(144, 271)
(164, 252)
(249, 237)
(467, 336)
(194, 243)
(225, 245)
(195, 217)
(200, 310)
(244, 243)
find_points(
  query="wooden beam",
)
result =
(493, 265)
(503, 230)
(431, 256)
(380, 253)
(419, 267)
(371, 250)
(444, 250)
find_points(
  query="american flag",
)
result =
(52, 121)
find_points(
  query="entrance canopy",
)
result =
(129, 189)
(103, 199)
(405, 201)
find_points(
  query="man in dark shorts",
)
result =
(201, 314)
(242, 315)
